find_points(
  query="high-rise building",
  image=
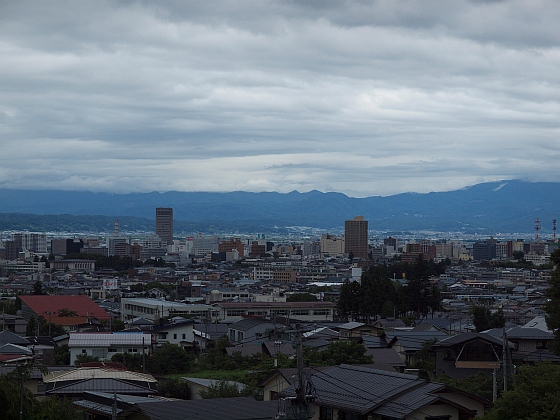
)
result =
(356, 237)
(164, 224)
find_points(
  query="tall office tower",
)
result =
(356, 237)
(164, 224)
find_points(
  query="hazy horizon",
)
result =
(363, 98)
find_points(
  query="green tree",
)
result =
(340, 351)
(420, 295)
(65, 312)
(484, 320)
(85, 358)
(132, 361)
(376, 290)
(536, 395)
(224, 389)
(479, 384)
(12, 393)
(553, 305)
(62, 355)
(349, 300)
(170, 358)
(301, 297)
(31, 328)
(38, 288)
(174, 388)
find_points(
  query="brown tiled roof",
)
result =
(48, 307)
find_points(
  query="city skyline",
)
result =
(361, 98)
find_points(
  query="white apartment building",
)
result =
(203, 246)
(154, 309)
(332, 245)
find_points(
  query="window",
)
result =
(84, 351)
(325, 413)
(300, 311)
(321, 311)
(184, 336)
(174, 336)
(112, 350)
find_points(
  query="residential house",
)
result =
(463, 355)
(356, 392)
(100, 405)
(179, 331)
(14, 323)
(71, 384)
(282, 379)
(389, 324)
(105, 345)
(249, 330)
(408, 343)
(529, 344)
(356, 330)
(386, 359)
(204, 334)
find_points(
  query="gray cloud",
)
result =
(360, 97)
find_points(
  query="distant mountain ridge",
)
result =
(505, 206)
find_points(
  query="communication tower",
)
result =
(554, 230)
(537, 228)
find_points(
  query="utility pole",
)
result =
(504, 357)
(114, 407)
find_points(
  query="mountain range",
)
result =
(507, 206)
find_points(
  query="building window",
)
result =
(325, 413)
(112, 350)
(174, 336)
(184, 336)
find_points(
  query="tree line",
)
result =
(382, 291)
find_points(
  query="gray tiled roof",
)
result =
(213, 409)
(359, 389)
(8, 337)
(410, 401)
(414, 340)
(108, 339)
(101, 385)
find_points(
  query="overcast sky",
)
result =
(359, 97)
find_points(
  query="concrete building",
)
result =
(154, 309)
(34, 242)
(332, 245)
(303, 311)
(356, 237)
(164, 224)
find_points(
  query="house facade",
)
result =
(106, 345)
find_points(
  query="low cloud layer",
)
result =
(364, 98)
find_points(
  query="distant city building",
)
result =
(356, 237)
(332, 245)
(114, 240)
(34, 242)
(390, 241)
(66, 246)
(164, 224)
(231, 244)
(484, 251)
(203, 246)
